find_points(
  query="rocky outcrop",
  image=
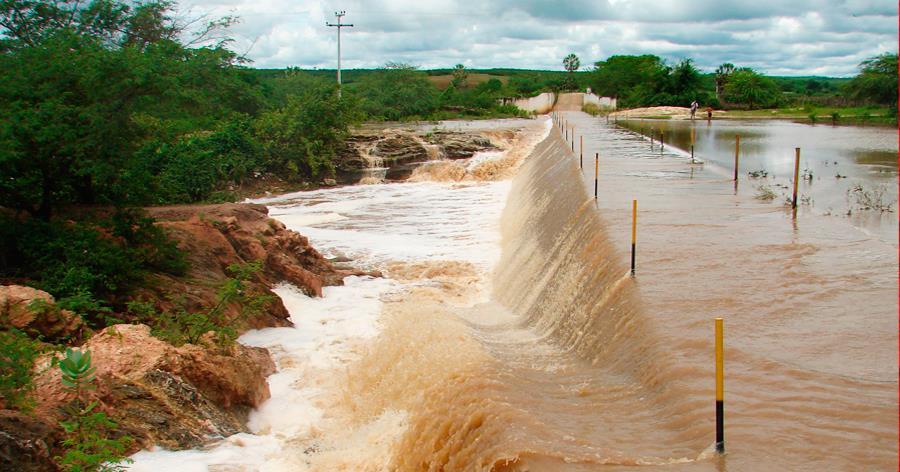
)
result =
(25, 442)
(455, 145)
(216, 236)
(402, 150)
(176, 397)
(34, 312)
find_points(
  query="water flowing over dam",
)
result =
(509, 335)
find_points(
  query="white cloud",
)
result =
(800, 37)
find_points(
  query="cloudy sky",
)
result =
(778, 37)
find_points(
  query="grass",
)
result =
(765, 193)
(829, 115)
(861, 198)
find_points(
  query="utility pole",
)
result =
(339, 25)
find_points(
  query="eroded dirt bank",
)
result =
(160, 394)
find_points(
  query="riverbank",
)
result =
(875, 116)
(167, 369)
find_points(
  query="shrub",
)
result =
(765, 193)
(77, 371)
(17, 355)
(861, 198)
(89, 445)
(84, 263)
(591, 109)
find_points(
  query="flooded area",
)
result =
(507, 333)
(809, 303)
(842, 168)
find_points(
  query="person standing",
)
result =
(694, 107)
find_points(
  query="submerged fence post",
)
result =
(796, 176)
(581, 154)
(633, 234)
(720, 387)
(737, 154)
(662, 141)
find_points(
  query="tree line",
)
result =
(646, 80)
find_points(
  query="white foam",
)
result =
(374, 225)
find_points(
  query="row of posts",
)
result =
(719, 324)
(737, 157)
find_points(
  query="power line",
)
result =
(339, 25)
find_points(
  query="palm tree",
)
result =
(460, 76)
(722, 73)
(571, 62)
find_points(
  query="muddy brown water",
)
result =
(549, 356)
(574, 365)
(834, 160)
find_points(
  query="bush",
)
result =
(195, 166)
(89, 445)
(17, 355)
(395, 92)
(83, 263)
(590, 109)
(300, 138)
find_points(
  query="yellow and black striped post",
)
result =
(596, 173)
(720, 387)
(633, 234)
(581, 153)
(737, 154)
(796, 176)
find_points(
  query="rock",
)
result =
(402, 150)
(178, 397)
(25, 442)
(460, 145)
(216, 236)
(329, 182)
(43, 318)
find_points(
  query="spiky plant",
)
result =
(77, 371)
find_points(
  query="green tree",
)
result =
(723, 72)
(636, 80)
(397, 91)
(876, 81)
(684, 83)
(571, 63)
(84, 84)
(300, 138)
(748, 87)
(460, 76)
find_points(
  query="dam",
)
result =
(508, 334)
